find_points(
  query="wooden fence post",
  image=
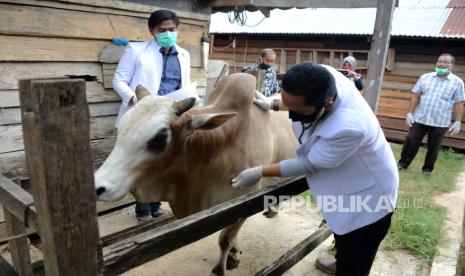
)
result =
(378, 52)
(55, 120)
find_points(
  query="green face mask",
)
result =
(442, 71)
(166, 39)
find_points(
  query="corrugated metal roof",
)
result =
(422, 18)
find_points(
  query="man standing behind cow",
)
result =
(349, 165)
(161, 66)
(435, 96)
(265, 64)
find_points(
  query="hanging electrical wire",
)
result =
(239, 16)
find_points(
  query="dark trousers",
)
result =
(413, 141)
(356, 251)
(144, 209)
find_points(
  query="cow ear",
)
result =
(141, 92)
(182, 106)
(209, 121)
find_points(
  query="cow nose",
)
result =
(100, 191)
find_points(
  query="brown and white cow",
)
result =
(169, 151)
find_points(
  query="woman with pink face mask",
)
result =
(348, 70)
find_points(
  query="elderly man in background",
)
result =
(265, 63)
(435, 96)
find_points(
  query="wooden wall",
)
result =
(66, 37)
(407, 62)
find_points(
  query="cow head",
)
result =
(150, 137)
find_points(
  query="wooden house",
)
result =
(326, 36)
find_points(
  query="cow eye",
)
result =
(159, 141)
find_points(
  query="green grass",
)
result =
(416, 224)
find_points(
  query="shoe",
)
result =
(326, 263)
(159, 212)
(401, 167)
(427, 171)
(144, 218)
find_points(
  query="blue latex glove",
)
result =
(120, 41)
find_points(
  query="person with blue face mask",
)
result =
(344, 155)
(436, 97)
(158, 64)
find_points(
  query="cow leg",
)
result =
(233, 257)
(228, 241)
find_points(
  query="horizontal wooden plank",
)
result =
(397, 135)
(133, 9)
(11, 72)
(389, 77)
(197, 74)
(28, 48)
(396, 94)
(23, 48)
(399, 124)
(14, 162)
(397, 85)
(297, 253)
(12, 135)
(391, 112)
(9, 116)
(394, 103)
(123, 255)
(416, 72)
(427, 67)
(94, 90)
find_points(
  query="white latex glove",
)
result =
(409, 120)
(247, 178)
(262, 101)
(454, 128)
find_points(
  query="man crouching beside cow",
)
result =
(169, 150)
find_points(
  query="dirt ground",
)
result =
(263, 241)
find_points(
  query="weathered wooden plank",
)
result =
(395, 94)
(426, 67)
(297, 253)
(394, 103)
(389, 77)
(399, 124)
(197, 74)
(391, 112)
(378, 52)
(397, 85)
(15, 199)
(19, 247)
(65, 23)
(12, 135)
(135, 230)
(56, 124)
(14, 202)
(133, 9)
(12, 72)
(123, 255)
(15, 163)
(283, 61)
(10, 116)
(23, 48)
(391, 59)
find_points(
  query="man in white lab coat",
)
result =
(161, 66)
(350, 167)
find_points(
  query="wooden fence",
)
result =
(62, 207)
